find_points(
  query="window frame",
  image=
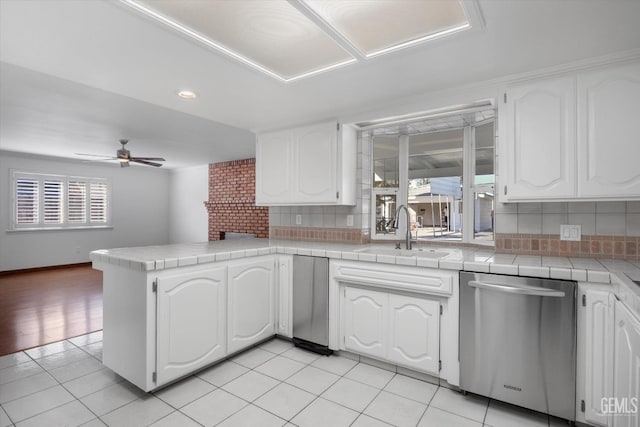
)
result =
(64, 224)
(469, 188)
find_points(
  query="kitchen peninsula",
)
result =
(172, 310)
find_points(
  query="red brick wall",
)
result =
(231, 203)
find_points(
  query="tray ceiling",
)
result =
(293, 39)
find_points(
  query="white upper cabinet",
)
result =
(608, 108)
(274, 180)
(572, 137)
(538, 153)
(311, 165)
(314, 166)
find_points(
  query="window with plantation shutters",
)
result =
(98, 195)
(77, 202)
(27, 198)
(55, 201)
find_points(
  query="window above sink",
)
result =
(442, 168)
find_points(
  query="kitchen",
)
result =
(544, 114)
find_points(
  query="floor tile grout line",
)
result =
(315, 395)
(462, 416)
(486, 412)
(429, 404)
(22, 377)
(4, 404)
(49, 409)
(61, 385)
(284, 382)
(8, 416)
(78, 399)
(173, 412)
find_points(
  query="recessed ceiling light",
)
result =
(187, 94)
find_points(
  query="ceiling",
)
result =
(276, 36)
(76, 76)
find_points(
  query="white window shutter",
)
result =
(27, 201)
(98, 206)
(53, 201)
(77, 202)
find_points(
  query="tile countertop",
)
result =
(619, 273)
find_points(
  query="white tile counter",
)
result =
(618, 272)
(150, 258)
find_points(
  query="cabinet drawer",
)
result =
(411, 279)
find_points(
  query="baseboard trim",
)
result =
(50, 267)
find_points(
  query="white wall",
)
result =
(187, 214)
(140, 212)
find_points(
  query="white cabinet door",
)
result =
(537, 151)
(626, 364)
(311, 165)
(251, 302)
(597, 330)
(414, 333)
(285, 297)
(608, 106)
(191, 320)
(274, 170)
(315, 163)
(365, 322)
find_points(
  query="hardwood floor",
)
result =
(40, 307)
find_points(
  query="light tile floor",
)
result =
(275, 384)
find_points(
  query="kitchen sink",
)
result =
(418, 252)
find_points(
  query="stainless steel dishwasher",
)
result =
(311, 303)
(518, 341)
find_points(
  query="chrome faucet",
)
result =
(408, 234)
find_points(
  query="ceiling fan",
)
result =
(124, 157)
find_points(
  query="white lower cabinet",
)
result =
(626, 369)
(595, 353)
(163, 325)
(251, 302)
(414, 332)
(608, 380)
(365, 321)
(404, 330)
(285, 296)
(191, 320)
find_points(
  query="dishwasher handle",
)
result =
(517, 289)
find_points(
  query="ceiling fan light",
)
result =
(187, 94)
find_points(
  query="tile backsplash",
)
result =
(609, 229)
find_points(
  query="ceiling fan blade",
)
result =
(96, 155)
(144, 162)
(157, 159)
